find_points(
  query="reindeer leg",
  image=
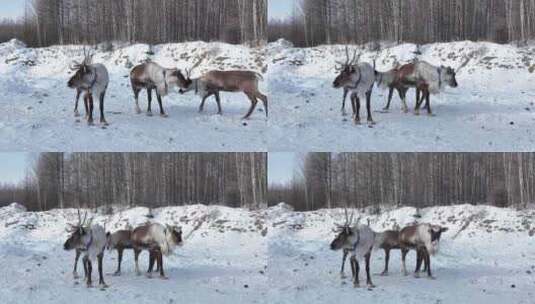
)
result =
(356, 282)
(159, 97)
(119, 261)
(403, 95)
(101, 282)
(101, 106)
(160, 264)
(78, 93)
(419, 104)
(218, 101)
(428, 104)
(149, 97)
(86, 106)
(253, 105)
(264, 101)
(344, 257)
(354, 270)
(356, 115)
(151, 264)
(74, 272)
(343, 110)
(89, 270)
(136, 95)
(418, 263)
(136, 258)
(417, 95)
(90, 119)
(390, 95)
(428, 262)
(368, 276)
(403, 256)
(201, 107)
(387, 258)
(369, 107)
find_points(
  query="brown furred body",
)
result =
(214, 82)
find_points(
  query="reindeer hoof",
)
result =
(105, 123)
(370, 285)
(356, 285)
(75, 275)
(138, 111)
(342, 275)
(76, 114)
(149, 275)
(164, 115)
(90, 123)
(89, 285)
(138, 273)
(431, 278)
(386, 110)
(384, 273)
(164, 277)
(103, 285)
(416, 275)
(117, 273)
(149, 114)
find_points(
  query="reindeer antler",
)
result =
(199, 61)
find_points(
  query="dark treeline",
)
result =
(421, 21)
(58, 180)
(47, 22)
(328, 180)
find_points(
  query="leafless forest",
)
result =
(327, 180)
(58, 180)
(48, 22)
(421, 21)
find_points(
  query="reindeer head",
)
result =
(435, 232)
(177, 78)
(448, 76)
(188, 82)
(80, 236)
(346, 236)
(175, 235)
(83, 76)
(348, 72)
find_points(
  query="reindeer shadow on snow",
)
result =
(357, 79)
(359, 241)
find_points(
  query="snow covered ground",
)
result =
(491, 261)
(493, 109)
(225, 259)
(274, 256)
(37, 106)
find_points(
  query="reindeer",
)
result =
(424, 238)
(92, 80)
(214, 82)
(91, 240)
(359, 240)
(358, 79)
(427, 79)
(159, 240)
(121, 240)
(151, 76)
(389, 80)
